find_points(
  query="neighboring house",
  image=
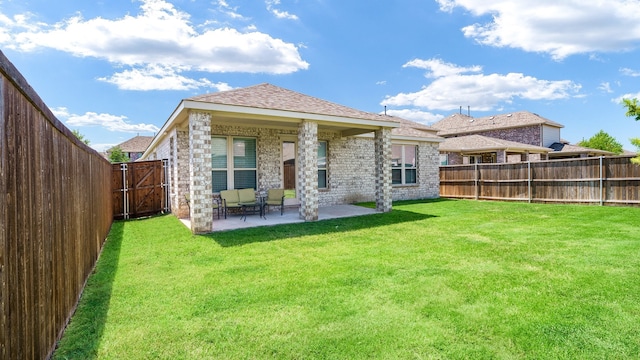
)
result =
(134, 147)
(513, 137)
(265, 137)
(472, 149)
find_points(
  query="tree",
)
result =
(633, 111)
(632, 108)
(602, 141)
(81, 137)
(116, 155)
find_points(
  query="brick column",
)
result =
(200, 172)
(383, 169)
(181, 173)
(308, 170)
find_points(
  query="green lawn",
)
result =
(430, 280)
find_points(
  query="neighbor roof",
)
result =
(136, 144)
(479, 143)
(463, 124)
(567, 149)
(413, 129)
(271, 97)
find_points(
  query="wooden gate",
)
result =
(140, 189)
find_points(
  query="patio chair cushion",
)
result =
(247, 196)
(230, 198)
(275, 196)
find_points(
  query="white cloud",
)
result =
(102, 147)
(559, 28)
(630, 72)
(438, 68)
(110, 122)
(618, 100)
(232, 12)
(159, 36)
(156, 77)
(454, 86)
(606, 87)
(416, 115)
(279, 13)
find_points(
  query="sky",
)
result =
(118, 68)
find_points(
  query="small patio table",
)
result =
(253, 208)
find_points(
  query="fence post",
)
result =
(477, 181)
(166, 186)
(125, 194)
(601, 182)
(529, 179)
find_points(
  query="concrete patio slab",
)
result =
(290, 216)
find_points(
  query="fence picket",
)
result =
(603, 180)
(55, 213)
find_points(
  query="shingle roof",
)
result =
(136, 144)
(268, 96)
(485, 143)
(414, 129)
(461, 124)
(575, 149)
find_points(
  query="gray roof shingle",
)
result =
(463, 124)
(136, 144)
(484, 143)
(568, 148)
(268, 96)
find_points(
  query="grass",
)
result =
(430, 280)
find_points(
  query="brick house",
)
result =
(513, 137)
(265, 137)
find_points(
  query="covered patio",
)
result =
(265, 137)
(291, 215)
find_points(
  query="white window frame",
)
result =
(230, 169)
(403, 164)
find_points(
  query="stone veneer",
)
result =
(307, 169)
(200, 186)
(382, 154)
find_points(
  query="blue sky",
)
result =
(113, 69)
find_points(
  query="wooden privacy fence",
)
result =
(603, 180)
(55, 201)
(140, 188)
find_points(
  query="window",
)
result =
(233, 162)
(475, 159)
(444, 159)
(322, 165)
(403, 164)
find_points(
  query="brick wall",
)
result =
(527, 135)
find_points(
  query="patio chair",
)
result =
(217, 206)
(230, 200)
(275, 197)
